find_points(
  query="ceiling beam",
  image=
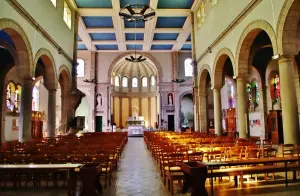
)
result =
(85, 36)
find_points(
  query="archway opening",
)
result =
(187, 112)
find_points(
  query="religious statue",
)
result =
(98, 100)
(185, 119)
(135, 111)
(170, 99)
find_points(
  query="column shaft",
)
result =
(130, 106)
(140, 107)
(217, 112)
(202, 113)
(241, 96)
(51, 124)
(26, 111)
(288, 101)
(149, 111)
(120, 114)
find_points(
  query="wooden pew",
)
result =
(285, 165)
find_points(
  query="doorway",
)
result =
(171, 123)
(98, 123)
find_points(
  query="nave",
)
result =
(139, 175)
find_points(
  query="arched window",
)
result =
(152, 81)
(18, 98)
(125, 82)
(117, 81)
(134, 82)
(255, 93)
(230, 93)
(80, 68)
(36, 96)
(144, 82)
(10, 91)
(188, 68)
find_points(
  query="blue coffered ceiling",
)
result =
(175, 4)
(103, 36)
(165, 36)
(107, 47)
(123, 3)
(170, 22)
(104, 30)
(98, 21)
(134, 24)
(189, 38)
(186, 47)
(81, 47)
(131, 36)
(93, 3)
(133, 47)
(161, 47)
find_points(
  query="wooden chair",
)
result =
(106, 167)
(195, 156)
(172, 169)
(288, 150)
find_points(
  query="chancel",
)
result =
(149, 97)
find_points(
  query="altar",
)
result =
(135, 126)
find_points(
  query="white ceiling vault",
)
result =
(102, 29)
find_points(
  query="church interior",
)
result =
(149, 97)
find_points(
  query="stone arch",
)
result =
(123, 55)
(180, 98)
(246, 40)
(65, 79)
(220, 59)
(23, 48)
(204, 70)
(287, 28)
(51, 73)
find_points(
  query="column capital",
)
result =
(285, 58)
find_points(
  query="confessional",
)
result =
(274, 127)
(37, 125)
(230, 121)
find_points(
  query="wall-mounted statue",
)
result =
(98, 100)
(170, 99)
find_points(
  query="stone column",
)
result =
(288, 100)
(120, 109)
(140, 107)
(241, 97)
(26, 111)
(51, 113)
(149, 111)
(130, 106)
(217, 112)
(202, 113)
(196, 109)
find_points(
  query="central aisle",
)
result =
(137, 174)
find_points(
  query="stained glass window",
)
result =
(125, 82)
(117, 81)
(249, 95)
(9, 97)
(230, 94)
(255, 94)
(80, 68)
(277, 88)
(134, 82)
(188, 67)
(36, 97)
(18, 98)
(144, 82)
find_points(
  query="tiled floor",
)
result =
(138, 175)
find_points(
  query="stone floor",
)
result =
(138, 175)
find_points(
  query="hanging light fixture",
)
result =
(136, 13)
